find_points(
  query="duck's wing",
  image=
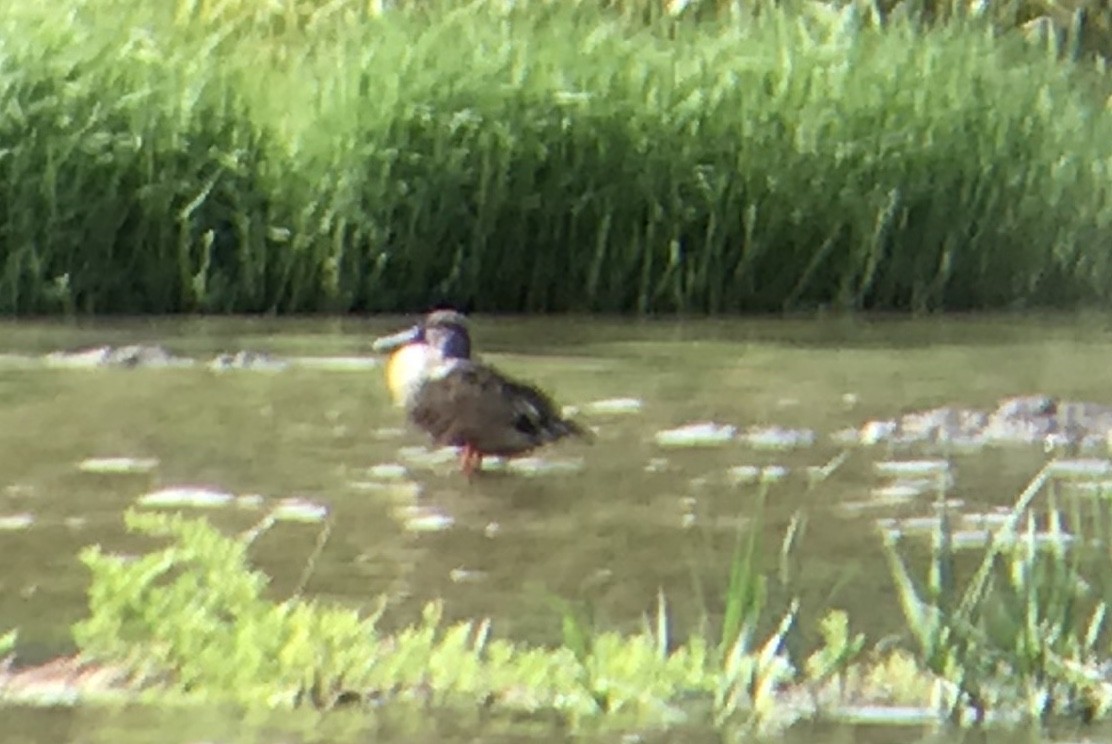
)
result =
(473, 403)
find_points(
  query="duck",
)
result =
(461, 402)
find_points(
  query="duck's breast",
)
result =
(406, 371)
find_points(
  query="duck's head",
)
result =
(441, 337)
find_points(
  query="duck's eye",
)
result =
(456, 345)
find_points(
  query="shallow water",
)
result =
(634, 518)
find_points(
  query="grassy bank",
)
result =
(540, 159)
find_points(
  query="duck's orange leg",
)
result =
(470, 460)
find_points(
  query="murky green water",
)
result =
(636, 518)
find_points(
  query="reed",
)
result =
(1028, 629)
(541, 157)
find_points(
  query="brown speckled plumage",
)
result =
(473, 404)
(464, 403)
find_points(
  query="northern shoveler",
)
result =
(461, 402)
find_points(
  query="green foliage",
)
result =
(1024, 631)
(7, 642)
(838, 651)
(192, 618)
(749, 677)
(234, 156)
(1080, 24)
(196, 610)
(1026, 634)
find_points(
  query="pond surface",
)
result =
(628, 517)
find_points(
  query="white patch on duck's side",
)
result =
(408, 369)
(527, 409)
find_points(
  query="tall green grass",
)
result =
(542, 158)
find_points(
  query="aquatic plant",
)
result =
(7, 641)
(541, 156)
(1023, 637)
(1023, 631)
(839, 652)
(191, 620)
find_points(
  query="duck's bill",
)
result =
(396, 340)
